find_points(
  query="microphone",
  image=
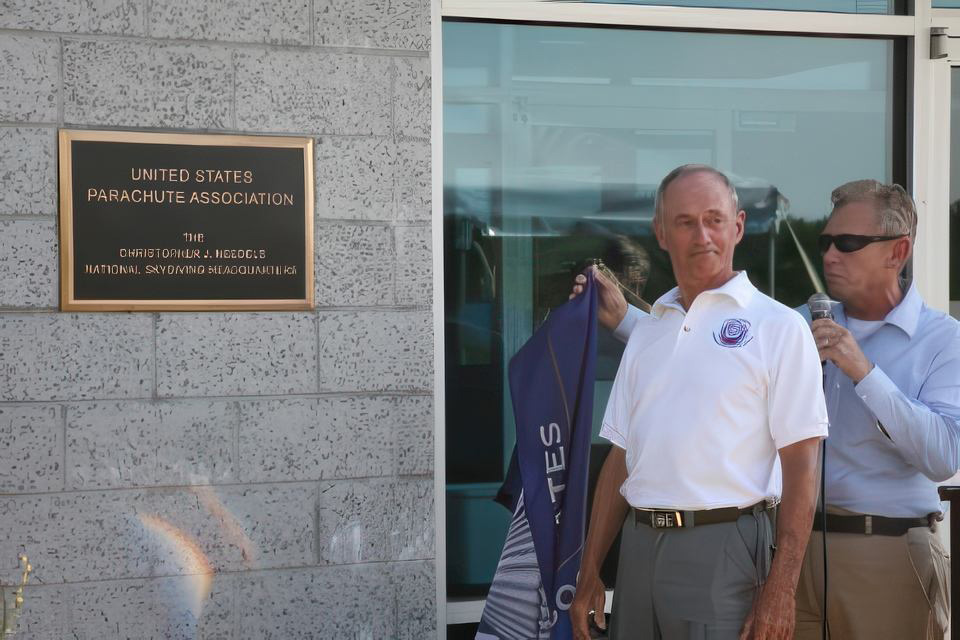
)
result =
(820, 306)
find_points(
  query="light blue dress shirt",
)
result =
(913, 391)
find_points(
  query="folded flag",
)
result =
(551, 382)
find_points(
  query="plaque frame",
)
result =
(68, 301)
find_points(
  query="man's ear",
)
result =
(658, 232)
(741, 224)
(900, 252)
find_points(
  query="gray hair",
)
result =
(896, 212)
(686, 169)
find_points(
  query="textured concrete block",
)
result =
(413, 421)
(75, 357)
(412, 527)
(235, 354)
(373, 179)
(140, 444)
(277, 22)
(28, 263)
(174, 608)
(31, 449)
(403, 24)
(353, 521)
(355, 178)
(332, 602)
(94, 535)
(110, 82)
(354, 265)
(413, 98)
(81, 16)
(376, 351)
(323, 93)
(29, 77)
(416, 593)
(414, 266)
(324, 438)
(414, 181)
(28, 170)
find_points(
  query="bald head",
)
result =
(688, 169)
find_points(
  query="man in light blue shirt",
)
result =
(892, 386)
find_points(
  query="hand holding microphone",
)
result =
(836, 343)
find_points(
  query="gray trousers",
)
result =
(689, 583)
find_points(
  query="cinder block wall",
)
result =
(289, 453)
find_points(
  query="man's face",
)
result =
(700, 228)
(859, 274)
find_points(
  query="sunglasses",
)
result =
(848, 242)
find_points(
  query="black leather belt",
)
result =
(868, 525)
(670, 519)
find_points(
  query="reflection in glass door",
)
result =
(555, 139)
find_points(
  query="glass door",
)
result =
(554, 141)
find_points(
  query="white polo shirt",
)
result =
(704, 398)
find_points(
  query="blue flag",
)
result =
(551, 382)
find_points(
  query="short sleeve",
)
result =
(617, 414)
(796, 407)
(629, 321)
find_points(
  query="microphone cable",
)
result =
(820, 307)
(824, 631)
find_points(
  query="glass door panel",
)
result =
(555, 139)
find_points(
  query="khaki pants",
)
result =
(880, 587)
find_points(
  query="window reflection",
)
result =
(555, 139)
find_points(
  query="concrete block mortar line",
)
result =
(268, 46)
(239, 573)
(396, 259)
(39, 217)
(394, 72)
(147, 9)
(10, 309)
(167, 488)
(421, 139)
(313, 23)
(317, 542)
(316, 332)
(28, 124)
(60, 85)
(226, 131)
(156, 381)
(233, 99)
(63, 418)
(238, 417)
(355, 222)
(329, 309)
(235, 609)
(420, 393)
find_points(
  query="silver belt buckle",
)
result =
(666, 519)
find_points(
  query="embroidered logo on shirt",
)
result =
(735, 332)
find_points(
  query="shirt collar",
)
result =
(738, 288)
(905, 315)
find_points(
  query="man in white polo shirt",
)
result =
(718, 389)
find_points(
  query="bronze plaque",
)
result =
(159, 221)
